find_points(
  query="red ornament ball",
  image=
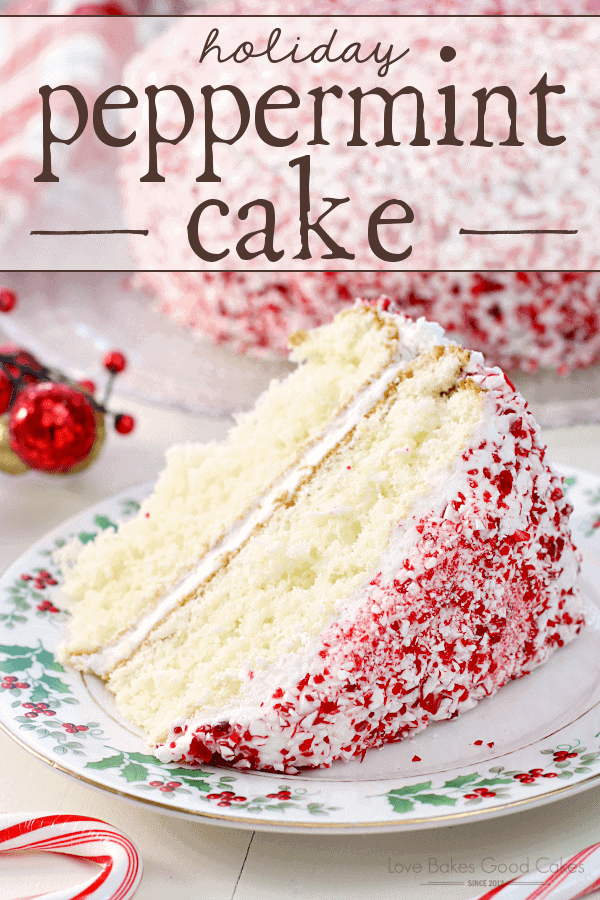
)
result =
(114, 361)
(8, 300)
(6, 391)
(52, 427)
(124, 424)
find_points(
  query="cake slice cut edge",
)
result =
(417, 560)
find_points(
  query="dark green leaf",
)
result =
(461, 779)
(48, 662)
(16, 664)
(199, 785)
(104, 522)
(55, 684)
(436, 800)
(400, 805)
(184, 773)
(488, 782)
(110, 762)
(143, 758)
(86, 536)
(134, 772)
(38, 694)
(410, 789)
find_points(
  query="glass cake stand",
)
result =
(69, 319)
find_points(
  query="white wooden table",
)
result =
(189, 861)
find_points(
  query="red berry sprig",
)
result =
(52, 423)
(8, 300)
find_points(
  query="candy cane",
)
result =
(120, 865)
(571, 880)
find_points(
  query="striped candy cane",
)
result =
(120, 866)
(577, 877)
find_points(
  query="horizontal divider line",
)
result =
(520, 231)
(111, 231)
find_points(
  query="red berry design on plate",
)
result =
(124, 423)
(47, 606)
(8, 300)
(52, 427)
(114, 361)
(156, 784)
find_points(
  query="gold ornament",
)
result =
(9, 461)
(96, 446)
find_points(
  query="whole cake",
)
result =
(518, 319)
(378, 545)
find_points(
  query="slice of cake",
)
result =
(379, 544)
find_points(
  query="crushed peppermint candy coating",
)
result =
(476, 587)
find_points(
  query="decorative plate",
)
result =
(536, 741)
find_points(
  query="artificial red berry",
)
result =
(114, 361)
(52, 427)
(6, 391)
(88, 386)
(124, 424)
(8, 300)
